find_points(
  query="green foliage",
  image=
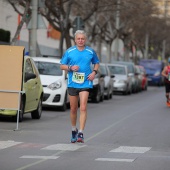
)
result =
(5, 36)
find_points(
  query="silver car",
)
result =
(131, 73)
(122, 80)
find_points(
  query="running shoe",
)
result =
(74, 136)
(80, 138)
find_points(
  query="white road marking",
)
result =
(39, 157)
(7, 144)
(64, 147)
(114, 160)
(131, 149)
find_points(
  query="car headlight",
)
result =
(95, 81)
(55, 85)
(157, 73)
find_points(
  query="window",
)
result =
(117, 70)
(28, 67)
(47, 68)
(103, 70)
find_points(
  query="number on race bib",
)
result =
(78, 77)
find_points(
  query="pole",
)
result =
(164, 41)
(163, 49)
(146, 45)
(33, 30)
(117, 28)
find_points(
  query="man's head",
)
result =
(80, 38)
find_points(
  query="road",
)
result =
(125, 133)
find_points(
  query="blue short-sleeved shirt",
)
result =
(83, 59)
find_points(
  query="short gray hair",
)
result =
(80, 32)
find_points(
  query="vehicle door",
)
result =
(31, 87)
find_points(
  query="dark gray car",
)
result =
(108, 78)
(97, 92)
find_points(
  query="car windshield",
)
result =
(151, 64)
(117, 70)
(47, 68)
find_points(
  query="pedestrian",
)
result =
(166, 74)
(77, 60)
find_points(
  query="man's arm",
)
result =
(164, 72)
(64, 67)
(96, 67)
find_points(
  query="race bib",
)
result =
(78, 77)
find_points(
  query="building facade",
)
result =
(9, 21)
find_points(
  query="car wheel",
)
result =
(97, 98)
(107, 97)
(110, 95)
(102, 97)
(64, 106)
(125, 92)
(37, 113)
(130, 91)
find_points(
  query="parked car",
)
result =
(131, 73)
(139, 78)
(54, 81)
(153, 69)
(122, 80)
(108, 79)
(144, 78)
(31, 99)
(96, 93)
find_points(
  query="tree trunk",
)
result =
(21, 24)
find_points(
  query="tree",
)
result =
(15, 4)
(136, 20)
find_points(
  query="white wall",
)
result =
(9, 21)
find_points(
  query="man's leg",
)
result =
(73, 116)
(83, 108)
(83, 113)
(167, 93)
(167, 90)
(73, 109)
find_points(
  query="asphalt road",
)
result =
(125, 133)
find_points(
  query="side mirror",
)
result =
(66, 75)
(102, 75)
(29, 76)
(41, 71)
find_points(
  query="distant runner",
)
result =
(166, 74)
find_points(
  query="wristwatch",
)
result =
(95, 71)
(69, 68)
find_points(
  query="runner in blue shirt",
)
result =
(77, 61)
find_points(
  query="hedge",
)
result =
(5, 35)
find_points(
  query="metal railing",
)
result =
(18, 108)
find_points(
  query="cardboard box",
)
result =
(11, 74)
